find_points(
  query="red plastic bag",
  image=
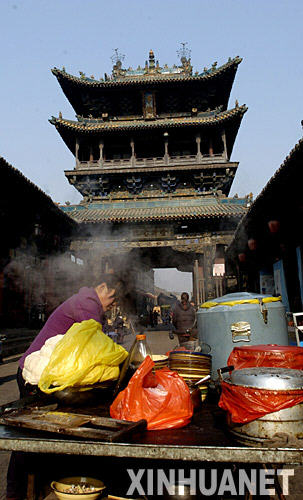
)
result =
(281, 356)
(167, 406)
(246, 404)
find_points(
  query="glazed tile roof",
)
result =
(160, 210)
(157, 78)
(93, 126)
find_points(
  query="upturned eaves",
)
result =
(145, 80)
(137, 211)
(125, 125)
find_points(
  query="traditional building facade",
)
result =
(34, 252)
(267, 248)
(152, 151)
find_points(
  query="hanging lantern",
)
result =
(274, 226)
(242, 257)
(252, 244)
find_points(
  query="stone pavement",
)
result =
(8, 392)
(16, 340)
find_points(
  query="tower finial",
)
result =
(184, 53)
(117, 57)
(151, 59)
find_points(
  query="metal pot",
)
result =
(287, 422)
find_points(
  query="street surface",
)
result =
(8, 392)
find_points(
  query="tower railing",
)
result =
(152, 162)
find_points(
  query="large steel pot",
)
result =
(287, 422)
(283, 423)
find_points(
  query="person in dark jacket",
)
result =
(88, 303)
(184, 319)
(118, 327)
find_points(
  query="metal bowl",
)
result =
(60, 487)
(90, 394)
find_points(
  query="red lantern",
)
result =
(274, 226)
(242, 257)
(252, 244)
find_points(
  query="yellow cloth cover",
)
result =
(84, 356)
(231, 303)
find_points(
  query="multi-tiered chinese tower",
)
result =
(152, 151)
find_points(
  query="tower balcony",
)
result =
(171, 161)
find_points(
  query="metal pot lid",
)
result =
(267, 378)
(235, 299)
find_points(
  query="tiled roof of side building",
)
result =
(289, 172)
(285, 170)
(7, 171)
(141, 212)
(93, 126)
(156, 78)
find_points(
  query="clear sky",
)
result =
(174, 280)
(37, 35)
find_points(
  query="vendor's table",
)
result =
(205, 440)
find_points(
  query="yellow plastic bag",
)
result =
(84, 356)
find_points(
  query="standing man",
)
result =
(184, 319)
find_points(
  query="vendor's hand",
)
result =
(106, 296)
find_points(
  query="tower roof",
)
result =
(141, 77)
(93, 125)
(230, 119)
(81, 91)
(152, 211)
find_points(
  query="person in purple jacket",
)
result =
(88, 303)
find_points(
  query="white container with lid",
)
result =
(240, 319)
